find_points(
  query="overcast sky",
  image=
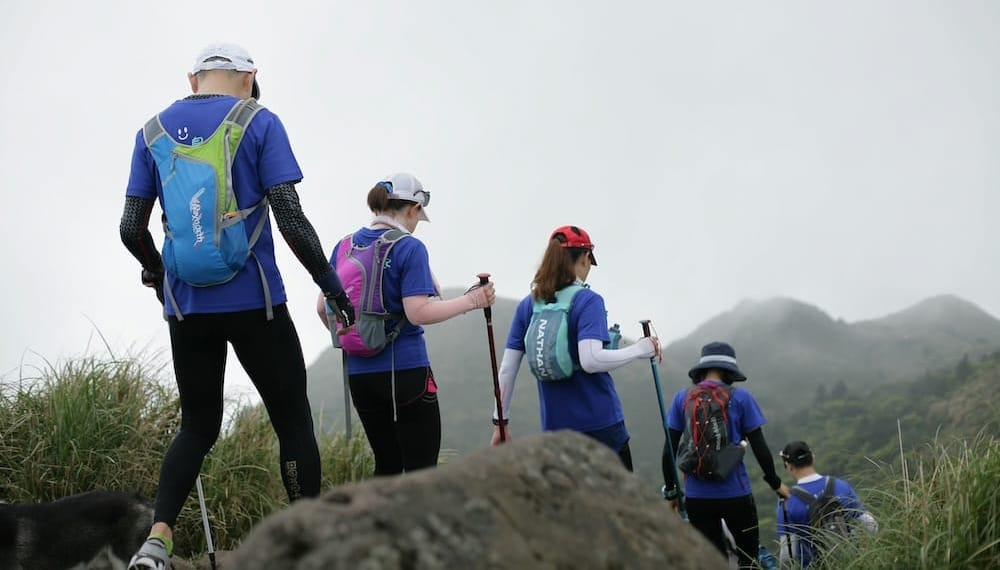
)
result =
(843, 154)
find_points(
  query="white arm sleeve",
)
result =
(595, 358)
(868, 522)
(508, 374)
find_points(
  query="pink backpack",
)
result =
(360, 270)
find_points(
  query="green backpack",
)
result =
(546, 342)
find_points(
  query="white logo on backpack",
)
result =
(196, 227)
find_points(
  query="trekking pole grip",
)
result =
(645, 327)
(484, 278)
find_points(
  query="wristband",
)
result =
(496, 422)
(670, 495)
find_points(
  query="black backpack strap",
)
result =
(828, 488)
(801, 493)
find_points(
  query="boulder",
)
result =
(554, 500)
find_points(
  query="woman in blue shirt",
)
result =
(394, 391)
(586, 401)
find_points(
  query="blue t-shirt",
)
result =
(407, 274)
(264, 159)
(744, 417)
(584, 402)
(798, 513)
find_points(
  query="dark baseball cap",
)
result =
(797, 453)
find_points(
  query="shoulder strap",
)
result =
(392, 235)
(152, 130)
(381, 247)
(569, 291)
(726, 389)
(564, 296)
(243, 112)
(828, 488)
(801, 493)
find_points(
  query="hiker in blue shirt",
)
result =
(797, 539)
(586, 401)
(395, 391)
(247, 310)
(726, 497)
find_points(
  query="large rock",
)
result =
(546, 501)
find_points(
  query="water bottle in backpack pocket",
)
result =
(361, 270)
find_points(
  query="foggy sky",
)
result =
(842, 154)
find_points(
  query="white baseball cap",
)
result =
(404, 186)
(226, 56)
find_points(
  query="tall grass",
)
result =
(92, 423)
(88, 423)
(942, 510)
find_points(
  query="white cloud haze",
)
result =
(844, 154)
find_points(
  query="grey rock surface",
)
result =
(554, 500)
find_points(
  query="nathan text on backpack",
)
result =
(546, 342)
(361, 270)
(205, 242)
(705, 451)
(827, 515)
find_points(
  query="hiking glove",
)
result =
(342, 307)
(153, 279)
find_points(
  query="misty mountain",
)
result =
(788, 348)
(792, 352)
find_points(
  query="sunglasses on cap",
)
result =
(423, 197)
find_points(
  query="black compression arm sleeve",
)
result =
(301, 237)
(763, 455)
(134, 230)
(668, 461)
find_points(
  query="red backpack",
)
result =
(705, 451)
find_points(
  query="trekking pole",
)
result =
(788, 532)
(645, 323)
(484, 278)
(347, 392)
(204, 520)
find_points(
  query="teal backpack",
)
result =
(205, 242)
(546, 342)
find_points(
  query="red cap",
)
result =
(573, 236)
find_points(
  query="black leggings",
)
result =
(625, 454)
(413, 439)
(272, 357)
(740, 514)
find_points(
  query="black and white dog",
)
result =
(96, 529)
